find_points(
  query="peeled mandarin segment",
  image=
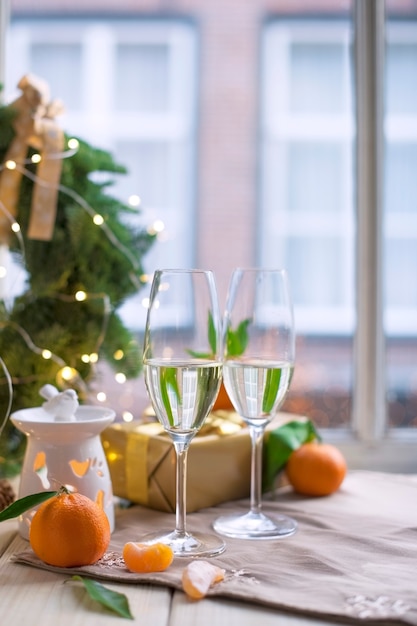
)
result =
(199, 576)
(142, 558)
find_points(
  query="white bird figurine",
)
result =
(62, 404)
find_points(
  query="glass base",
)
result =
(255, 526)
(187, 544)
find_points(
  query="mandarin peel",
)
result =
(143, 558)
(199, 576)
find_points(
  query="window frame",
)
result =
(368, 443)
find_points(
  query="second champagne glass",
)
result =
(258, 364)
(182, 361)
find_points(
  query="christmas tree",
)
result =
(67, 315)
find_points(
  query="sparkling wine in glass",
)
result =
(259, 345)
(182, 361)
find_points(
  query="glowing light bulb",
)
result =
(65, 375)
(85, 358)
(120, 378)
(145, 303)
(134, 200)
(101, 396)
(80, 296)
(98, 219)
(46, 354)
(158, 226)
(11, 165)
(93, 357)
(15, 227)
(68, 373)
(127, 416)
(36, 158)
(73, 143)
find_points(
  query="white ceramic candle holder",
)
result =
(66, 453)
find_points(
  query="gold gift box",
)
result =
(141, 460)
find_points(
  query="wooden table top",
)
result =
(34, 596)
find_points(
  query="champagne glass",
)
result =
(182, 361)
(259, 343)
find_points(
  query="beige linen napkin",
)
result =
(353, 557)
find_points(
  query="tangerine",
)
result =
(69, 530)
(142, 557)
(223, 402)
(316, 469)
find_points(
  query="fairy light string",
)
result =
(98, 219)
(14, 226)
(9, 384)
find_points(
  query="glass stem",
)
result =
(181, 449)
(257, 436)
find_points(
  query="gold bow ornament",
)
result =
(35, 127)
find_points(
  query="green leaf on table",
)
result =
(24, 504)
(113, 600)
(280, 443)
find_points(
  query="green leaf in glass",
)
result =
(237, 340)
(273, 378)
(212, 336)
(168, 379)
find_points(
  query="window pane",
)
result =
(142, 78)
(309, 260)
(401, 76)
(148, 166)
(316, 78)
(401, 268)
(401, 180)
(55, 63)
(312, 163)
(307, 216)
(401, 223)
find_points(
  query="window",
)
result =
(307, 221)
(401, 222)
(135, 96)
(308, 213)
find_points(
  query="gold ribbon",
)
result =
(136, 454)
(136, 462)
(35, 127)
